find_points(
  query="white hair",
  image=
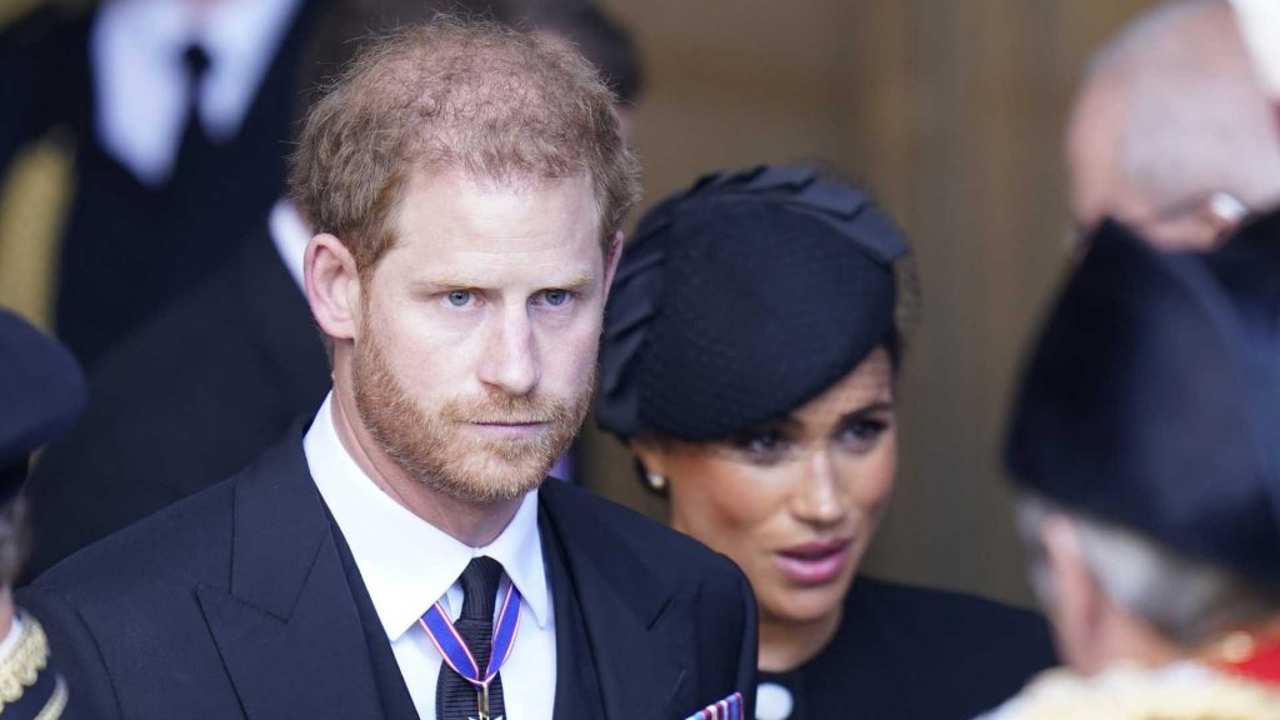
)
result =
(1187, 601)
(1196, 117)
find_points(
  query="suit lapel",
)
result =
(287, 629)
(637, 628)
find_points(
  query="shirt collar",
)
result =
(290, 234)
(406, 563)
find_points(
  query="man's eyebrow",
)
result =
(446, 282)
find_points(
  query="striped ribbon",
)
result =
(729, 708)
(454, 649)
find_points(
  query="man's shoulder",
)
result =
(666, 551)
(186, 543)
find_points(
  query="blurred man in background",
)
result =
(1172, 131)
(1146, 443)
(41, 393)
(177, 113)
(202, 390)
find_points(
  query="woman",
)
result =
(749, 361)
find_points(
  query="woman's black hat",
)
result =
(1152, 398)
(741, 299)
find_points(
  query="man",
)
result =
(178, 114)
(467, 184)
(1144, 441)
(1172, 132)
(197, 394)
(41, 392)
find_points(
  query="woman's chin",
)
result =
(805, 604)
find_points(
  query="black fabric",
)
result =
(906, 652)
(455, 697)
(1152, 397)
(129, 249)
(41, 696)
(42, 392)
(578, 693)
(393, 694)
(740, 300)
(237, 598)
(191, 398)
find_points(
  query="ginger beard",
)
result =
(436, 447)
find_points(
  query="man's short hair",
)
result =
(492, 101)
(1187, 601)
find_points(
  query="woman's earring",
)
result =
(656, 481)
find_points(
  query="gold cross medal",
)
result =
(482, 704)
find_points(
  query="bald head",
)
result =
(1171, 131)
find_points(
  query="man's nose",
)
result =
(510, 358)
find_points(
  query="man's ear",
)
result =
(611, 261)
(333, 286)
(1222, 213)
(1078, 607)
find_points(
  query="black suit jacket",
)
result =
(234, 603)
(190, 399)
(129, 249)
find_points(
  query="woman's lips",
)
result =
(815, 563)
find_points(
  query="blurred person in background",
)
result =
(1172, 131)
(750, 360)
(199, 392)
(1145, 440)
(177, 112)
(41, 392)
(1260, 24)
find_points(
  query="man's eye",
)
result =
(459, 298)
(555, 297)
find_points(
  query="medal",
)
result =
(455, 653)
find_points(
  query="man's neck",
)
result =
(475, 524)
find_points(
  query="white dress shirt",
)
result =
(408, 564)
(140, 79)
(1259, 22)
(290, 235)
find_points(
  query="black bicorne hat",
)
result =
(741, 299)
(1152, 399)
(42, 392)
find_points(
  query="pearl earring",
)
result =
(656, 481)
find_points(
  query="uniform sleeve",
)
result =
(76, 653)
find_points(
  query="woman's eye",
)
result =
(763, 445)
(459, 298)
(863, 433)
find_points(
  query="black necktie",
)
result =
(456, 699)
(194, 147)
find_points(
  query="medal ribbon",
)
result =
(454, 649)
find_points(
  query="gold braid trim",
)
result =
(1133, 693)
(20, 669)
(57, 702)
